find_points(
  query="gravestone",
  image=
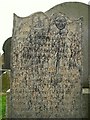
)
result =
(48, 65)
(6, 55)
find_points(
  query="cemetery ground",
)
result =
(2, 105)
(5, 87)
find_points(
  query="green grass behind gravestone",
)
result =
(2, 106)
(5, 86)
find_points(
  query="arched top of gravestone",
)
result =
(70, 9)
(74, 11)
(36, 20)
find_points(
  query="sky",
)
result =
(22, 8)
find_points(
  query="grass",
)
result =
(2, 106)
(5, 86)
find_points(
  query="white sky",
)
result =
(22, 8)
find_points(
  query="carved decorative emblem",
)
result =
(60, 22)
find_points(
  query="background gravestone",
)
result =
(48, 64)
(6, 55)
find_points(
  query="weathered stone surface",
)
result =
(47, 66)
